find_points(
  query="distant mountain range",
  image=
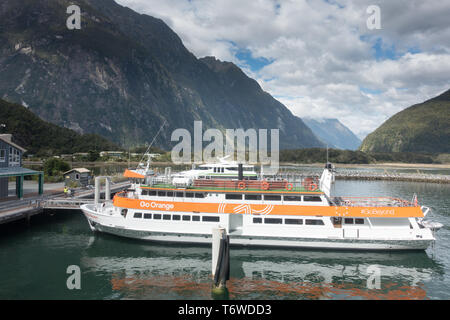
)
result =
(123, 74)
(424, 127)
(42, 138)
(333, 133)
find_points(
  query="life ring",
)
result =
(313, 187)
(289, 186)
(241, 185)
(265, 185)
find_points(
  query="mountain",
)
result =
(43, 138)
(123, 74)
(423, 127)
(333, 133)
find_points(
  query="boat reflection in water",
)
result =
(183, 272)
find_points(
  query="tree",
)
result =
(54, 167)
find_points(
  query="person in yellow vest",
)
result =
(66, 191)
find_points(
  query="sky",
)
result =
(321, 58)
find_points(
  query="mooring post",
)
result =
(107, 189)
(220, 263)
(97, 191)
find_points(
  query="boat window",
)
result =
(138, 214)
(169, 193)
(273, 220)
(195, 218)
(144, 192)
(147, 215)
(176, 217)
(157, 216)
(312, 198)
(253, 197)
(293, 221)
(186, 218)
(348, 220)
(124, 212)
(292, 198)
(161, 193)
(257, 220)
(215, 169)
(359, 221)
(152, 193)
(314, 222)
(179, 194)
(210, 219)
(272, 197)
(189, 195)
(166, 217)
(199, 195)
(233, 196)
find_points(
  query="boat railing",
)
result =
(279, 182)
(372, 202)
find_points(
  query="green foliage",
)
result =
(93, 155)
(55, 167)
(45, 139)
(317, 155)
(423, 128)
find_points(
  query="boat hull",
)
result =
(239, 239)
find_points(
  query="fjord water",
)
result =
(34, 260)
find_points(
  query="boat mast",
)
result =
(147, 167)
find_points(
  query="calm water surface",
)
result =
(34, 259)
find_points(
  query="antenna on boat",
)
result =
(141, 164)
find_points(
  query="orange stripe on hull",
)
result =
(269, 209)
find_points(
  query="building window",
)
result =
(77, 176)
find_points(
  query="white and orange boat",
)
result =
(266, 211)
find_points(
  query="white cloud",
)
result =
(325, 62)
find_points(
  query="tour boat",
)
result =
(258, 210)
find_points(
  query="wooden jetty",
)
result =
(24, 209)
